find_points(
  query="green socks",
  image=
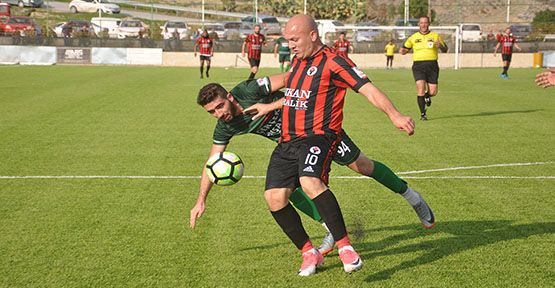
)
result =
(387, 178)
(305, 204)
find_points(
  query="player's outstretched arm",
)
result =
(261, 109)
(205, 186)
(277, 81)
(380, 101)
(546, 79)
(496, 48)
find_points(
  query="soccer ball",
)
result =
(224, 168)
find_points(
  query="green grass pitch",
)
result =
(495, 228)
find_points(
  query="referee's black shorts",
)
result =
(426, 70)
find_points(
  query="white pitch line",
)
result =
(474, 167)
(263, 177)
(333, 177)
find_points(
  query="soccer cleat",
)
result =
(207, 76)
(312, 259)
(428, 100)
(201, 76)
(351, 260)
(502, 75)
(423, 117)
(327, 244)
(424, 212)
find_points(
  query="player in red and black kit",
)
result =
(507, 42)
(342, 46)
(206, 51)
(312, 118)
(254, 44)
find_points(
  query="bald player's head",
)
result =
(302, 33)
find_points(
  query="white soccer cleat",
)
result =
(351, 260)
(312, 259)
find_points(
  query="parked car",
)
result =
(269, 24)
(236, 29)
(131, 29)
(471, 32)
(18, 23)
(329, 26)
(217, 28)
(24, 3)
(4, 10)
(366, 35)
(404, 34)
(106, 24)
(4, 13)
(73, 26)
(521, 31)
(170, 27)
(77, 6)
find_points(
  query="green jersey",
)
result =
(248, 93)
(283, 46)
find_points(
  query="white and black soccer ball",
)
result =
(224, 168)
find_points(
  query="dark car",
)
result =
(521, 31)
(365, 34)
(73, 26)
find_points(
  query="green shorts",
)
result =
(347, 151)
(284, 58)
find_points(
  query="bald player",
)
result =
(312, 115)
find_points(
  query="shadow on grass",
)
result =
(492, 113)
(463, 235)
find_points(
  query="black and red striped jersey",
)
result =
(254, 45)
(342, 47)
(507, 43)
(205, 46)
(315, 89)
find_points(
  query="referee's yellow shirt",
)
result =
(389, 49)
(423, 48)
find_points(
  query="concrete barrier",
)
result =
(467, 60)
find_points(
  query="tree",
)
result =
(229, 5)
(281, 7)
(544, 22)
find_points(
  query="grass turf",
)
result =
(75, 120)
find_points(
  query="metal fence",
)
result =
(235, 46)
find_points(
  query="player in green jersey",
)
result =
(282, 49)
(229, 108)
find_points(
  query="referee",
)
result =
(425, 69)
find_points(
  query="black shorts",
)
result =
(507, 57)
(254, 62)
(204, 57)
(389, 57)
(307, 156)
(426, 70)
(347, 151)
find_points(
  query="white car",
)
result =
(77, 6)
(58, 29)
(217, 28)
(170, 27)
(326, 26)
(110, 25)
(131, 29)
(471, 32)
